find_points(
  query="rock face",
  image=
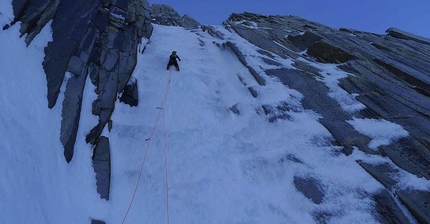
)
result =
(389, 210)
(97, 222)
(101, 163)
(95, 38)
(310, 188)
(165, 15)
(130, 94)
(388, 74)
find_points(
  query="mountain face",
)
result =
(163, 14)
(389, 76)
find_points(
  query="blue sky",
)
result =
(366, 15)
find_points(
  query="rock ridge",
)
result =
(163, 14)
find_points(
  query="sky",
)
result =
(366, 15)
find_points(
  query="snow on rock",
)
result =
(233, 156)
(383, 132)
(225, 167)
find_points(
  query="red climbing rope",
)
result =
(162, 111)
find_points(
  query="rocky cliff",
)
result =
(388, 74)
(95, 39)
(163, 14)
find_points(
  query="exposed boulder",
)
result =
(163, 14)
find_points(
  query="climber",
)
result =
(172, 61)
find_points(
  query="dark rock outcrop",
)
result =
(310, 189)
(163, 14)
(130, 94)
(417, 201)
(333, 116)
(241, 57)
(407, 36)
(388, 74)
(324, 52)
(95, 38)
(101, 164)
(234, 109)
(97, 222)
(99, 38)
(302, 42)
(389, 210)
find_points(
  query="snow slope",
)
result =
(222, 167)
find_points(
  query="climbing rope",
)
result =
(161, 112)
(165, 152)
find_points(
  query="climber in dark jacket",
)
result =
(172, 61)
